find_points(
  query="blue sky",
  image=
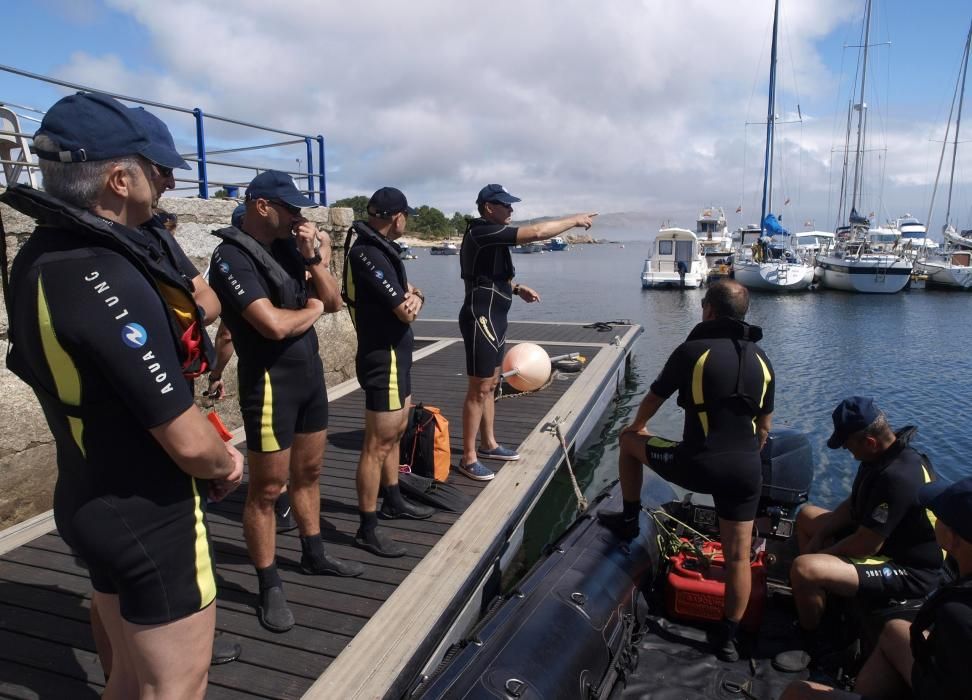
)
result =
(634, 106)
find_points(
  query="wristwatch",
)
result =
(313, 261)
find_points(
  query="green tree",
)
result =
(359, 203)
(220, 194)
(458, 222)
(429, 222)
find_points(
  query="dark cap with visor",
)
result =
(91, 126)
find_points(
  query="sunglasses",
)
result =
(289, 208)
(503, 204)
(163, 171)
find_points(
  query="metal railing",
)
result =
(203, 183)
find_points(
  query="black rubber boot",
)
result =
(225, 650)
(273, 611)
(623, 526)
(327, 565)
(377, 542)
(406, 509)
(722, 638)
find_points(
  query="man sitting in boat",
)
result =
(879, 544)
(726, 386)
(928, 657)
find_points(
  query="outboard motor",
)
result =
(787, 476)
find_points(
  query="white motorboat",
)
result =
(675, 261)
(865, 258)
(914, 236)
(444, 249)
(716, 243)
(535, 247)
(766, 259)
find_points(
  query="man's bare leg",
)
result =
(123, 681)
(812, 577)
(172, 660)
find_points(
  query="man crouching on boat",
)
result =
(930, 656)
(879, 544)
(726, 385)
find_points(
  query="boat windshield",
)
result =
(665, 247)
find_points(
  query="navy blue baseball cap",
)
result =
(159, 133)
(90, 126)
(851, 415)
(496, 193)
(237, 217)
(274, 184)
(951, 503)
(387, 202)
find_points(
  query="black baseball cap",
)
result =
(274, 184)
(90, 126)
(387, 202)
(951, 503)
(236, 219)
(496, 193)
(851, 415)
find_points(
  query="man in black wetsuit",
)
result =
(726, 385)
(382, 305)
(105, 331)
(274, 281)
(879, 544)
(930, 656)
(487, 271)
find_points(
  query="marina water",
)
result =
(911, 351)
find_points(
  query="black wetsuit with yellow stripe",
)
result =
(375, 284)
(92, 335)
(725, 382)
(281, 382)
(909, 563)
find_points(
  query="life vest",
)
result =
(148, 254)
(360, 229)
(285, 291)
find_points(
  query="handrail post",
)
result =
(321, 186)
(201, 154)
(310, 166)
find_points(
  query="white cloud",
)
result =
(572, 105)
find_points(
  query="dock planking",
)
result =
(46, 649)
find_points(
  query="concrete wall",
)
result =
(27, 458)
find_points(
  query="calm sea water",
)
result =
(910, 351)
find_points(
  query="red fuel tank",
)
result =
(696, 589)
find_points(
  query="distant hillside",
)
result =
(613, 220)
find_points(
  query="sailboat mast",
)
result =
(770, 124)
(958, 125)
(861, 106)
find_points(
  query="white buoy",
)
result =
(526, 367)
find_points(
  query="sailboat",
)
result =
(856, 264)
(771, 265)
(950, 267)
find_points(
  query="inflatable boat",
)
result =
(598, 617)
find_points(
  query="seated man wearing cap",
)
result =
(879, 544)
(99, 325)
(929, 657)
(274, 281)
(487, 271)
(382, 305)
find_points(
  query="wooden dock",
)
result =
(364, 637)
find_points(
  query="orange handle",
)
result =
(213, 418)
